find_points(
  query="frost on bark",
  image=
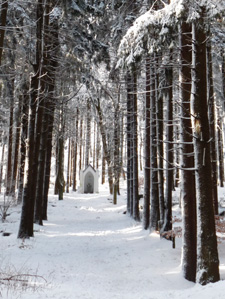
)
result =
(188, 197)
(212, 128)
(207, 254)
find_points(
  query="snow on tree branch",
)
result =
(155, 28)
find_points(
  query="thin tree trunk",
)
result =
(75, 153)
(10, 138)
(212, 128)
(135, 147)
(160, 154)
(103, 167)
(81, 143)
(88, 133)
(68, 167)
(16, 147)
(4, 10)
(129, 147)
(23, 137)
(169, 150)
(2, 163)
(154, 194)
(147, 143)
(220, 150)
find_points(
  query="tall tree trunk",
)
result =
(75, 153)
(10, 138)
(68, 167)
(16, 147)
(160, 154)
(88, 133)
(26, 221)
(188, 196)
(220, 149)
(1, 167)
(116, 154)
(4, 10)
(212, 127)
(169, 148)
(154, 212)
(98, 147)
(52, 69)
(147, 172)
(135, 146)
(207, 254)
(103, 167)
(81, 143)
(129, 146)
(60, 183)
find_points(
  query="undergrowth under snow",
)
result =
(90, 249)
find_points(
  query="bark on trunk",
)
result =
(4, 10)
(188, 196)
(212, 121)
(147, 172)
(207, 254)
(154, 212)
(167, 225)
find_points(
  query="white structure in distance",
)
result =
(88, 180)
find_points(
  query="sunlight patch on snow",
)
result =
(174, 271)
(92, 233)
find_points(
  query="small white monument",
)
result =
(89, 180)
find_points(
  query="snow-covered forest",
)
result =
(133, 93)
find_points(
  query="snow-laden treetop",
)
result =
(155, 28)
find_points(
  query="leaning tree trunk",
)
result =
(207, 254)
(188, 196)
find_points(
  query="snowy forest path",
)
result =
(90, 249)
(102, 250)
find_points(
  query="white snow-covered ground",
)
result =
(90, 249)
